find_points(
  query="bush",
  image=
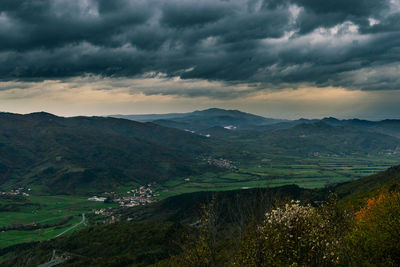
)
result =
(296, 235)
(375, 239)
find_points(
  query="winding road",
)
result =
(74, 226)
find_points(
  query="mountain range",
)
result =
(238, 120)
(201, 119)
(79, 155)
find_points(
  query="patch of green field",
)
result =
(47, 210)
(273, 170)
(9, 238)
(49, 207)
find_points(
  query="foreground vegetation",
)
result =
(303, 235)
(351, 224)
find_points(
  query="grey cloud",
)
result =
(197, 13)
(237, 41)
(52, 24)
(350, 8)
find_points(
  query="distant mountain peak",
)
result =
(220, 110)
(211, 109)
(330, 119)
(41, 114)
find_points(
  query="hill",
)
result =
(358, 190)
(121, 244)
(92, 154)
(321, 137)
(388, 127)
(202, 119)
(310, 139)
(80, 154)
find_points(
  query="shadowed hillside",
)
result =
(92, 153)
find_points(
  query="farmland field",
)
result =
(64, 211)
(313, 172)
(43, 210)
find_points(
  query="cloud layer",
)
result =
(247, 44)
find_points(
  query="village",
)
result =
(16, 192)
(141, 195)
(221, 163)
(138, 196)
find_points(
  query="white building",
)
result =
(95, 198)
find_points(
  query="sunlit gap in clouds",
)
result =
(94, 95)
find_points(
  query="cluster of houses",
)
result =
(109, 217)
(392, 152)
(138, 196)
(103, 211)
(16, 192)
(221, 163)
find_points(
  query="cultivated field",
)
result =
(313, 172)
(44, 210)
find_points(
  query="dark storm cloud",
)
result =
(48, 24)
(263, 43)
(184, 15)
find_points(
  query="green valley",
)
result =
(313, 172)
(50, 166)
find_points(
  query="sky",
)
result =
(275, 58)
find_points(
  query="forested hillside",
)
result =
(71, 155)
(341, 225)
(81, 155)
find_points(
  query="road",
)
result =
(74, 226)
(54, 260)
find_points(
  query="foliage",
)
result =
(375, 238)
(201, 250)
(295, 235)
(318, 230)
(119, 244)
